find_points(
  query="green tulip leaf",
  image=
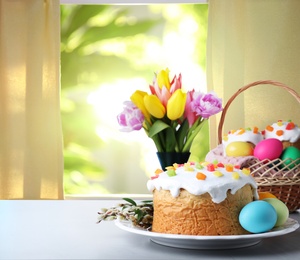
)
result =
(157, 127)
(181, 134)
(170, 139)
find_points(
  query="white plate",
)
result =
(209, 242)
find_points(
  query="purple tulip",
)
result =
(131, 118)
(206, 105)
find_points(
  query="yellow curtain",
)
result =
(249, 41)
(31, 161)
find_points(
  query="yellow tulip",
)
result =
(163, 79)
(176, 105)
(154, 106)
(138, 99)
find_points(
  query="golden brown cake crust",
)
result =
(197, 214)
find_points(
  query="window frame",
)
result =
(127, 2)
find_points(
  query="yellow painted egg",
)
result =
(236, 149)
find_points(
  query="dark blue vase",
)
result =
(169, 158)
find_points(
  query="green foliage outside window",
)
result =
(86, 64)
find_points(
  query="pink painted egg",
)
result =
(270, 148)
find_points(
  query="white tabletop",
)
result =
(68, 230)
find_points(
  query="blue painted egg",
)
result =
(258, 217)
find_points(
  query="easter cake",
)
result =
(237, 147)
(245, 138)
(247, 146)
(201, 199)
(285, 131)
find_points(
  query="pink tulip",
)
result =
(176, 83)
(164, 92)
(189, 113)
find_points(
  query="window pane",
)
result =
(108, 52)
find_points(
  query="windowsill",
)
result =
(108, 196)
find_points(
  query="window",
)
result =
(109, 51)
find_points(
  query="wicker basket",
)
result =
(272, 176)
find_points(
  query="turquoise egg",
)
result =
(258, 216)
(290, 154)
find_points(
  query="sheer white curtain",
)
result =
(31, 161)
(248, 41)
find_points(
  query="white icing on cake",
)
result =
(283, 131)
(217, 187)
(242, 135)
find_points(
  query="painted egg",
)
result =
(290, 154)
(268, 149)
(258, 216)
(281, 210)
(236, 149)
(265, 195)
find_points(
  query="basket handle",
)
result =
(261, 82)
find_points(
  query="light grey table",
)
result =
(68, 230)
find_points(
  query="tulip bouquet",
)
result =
(169, 116)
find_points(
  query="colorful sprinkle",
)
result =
(205, 163)
(215, 162)
(210, 167)
(229, 167)
(246, 171)
(241, 131)
(220, 165)
(255, 130)
(218, 174)
(200, 176)
(290, 126)
(170, 168)
(154, 177)
(188, 167)
(176, 165)
(171, 173)
(199, 166)
(279, 123)
(158, 171)
(270, 128)
(279, 132)
(235, 175)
